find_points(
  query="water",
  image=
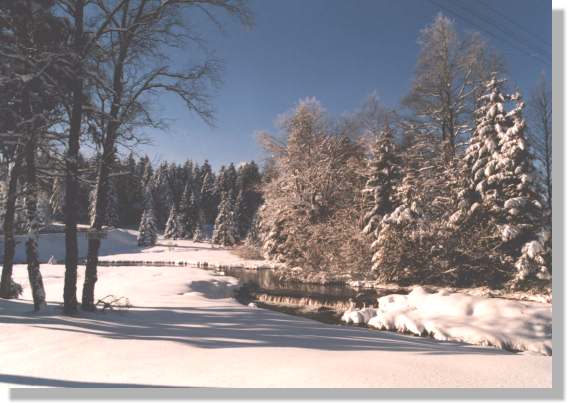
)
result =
(321, 302)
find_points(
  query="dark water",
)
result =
(321, 302)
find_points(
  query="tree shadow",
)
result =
(213, 289)
(230, 326)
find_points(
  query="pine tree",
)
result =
(240, 217)
(148, 228)
(225, 231)
(198, 235)
(208, 199)
(383, 173)
(499, 190)
(189, 213)
(253, 238)
(173, 229)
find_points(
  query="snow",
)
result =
(53, 245)
(185, 330)
(506, 324)
(186, 252)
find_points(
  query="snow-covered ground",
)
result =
(185, 331)
(186, 252)
(513, 325)
(53, 245)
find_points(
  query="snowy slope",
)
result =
(186, 331)
(117, 241)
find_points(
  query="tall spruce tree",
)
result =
(189, 213)
(225, 231)
(173, 229)
(148, 227)
(499, 189)
(383, 173)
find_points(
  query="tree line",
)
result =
(451, 188)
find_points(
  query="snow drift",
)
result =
(506, 324)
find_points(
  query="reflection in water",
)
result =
(322, 302)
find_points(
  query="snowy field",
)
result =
(185, 330)
(121, 245)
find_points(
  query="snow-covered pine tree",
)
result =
(198, 234)
(254, 238)
(189, 213)
(383, 173)
(148, 227)
(173, 228)
(209, 201)
(522, 210)
(240, 217)
(412, 241)
(499, 192)
(225, 231)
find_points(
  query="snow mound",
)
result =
(358, 317)
(506, 324)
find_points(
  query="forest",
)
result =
(451, 187)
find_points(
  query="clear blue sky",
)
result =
(338, 51)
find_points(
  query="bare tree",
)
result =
(540, 108)
(448, 73)
(136, 68)
(31, 35)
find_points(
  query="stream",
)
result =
(325, 303)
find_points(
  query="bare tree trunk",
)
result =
(34, 274)
(101, 191)
(72, 171)
(6, 290)
(108, 152)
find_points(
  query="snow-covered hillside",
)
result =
(53, 244)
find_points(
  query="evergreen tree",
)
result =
(383, 173)
(208, 200)
(499, 190)
(148, 228)
(189, 213)
(253, 237)
(173, 229)
(239, 216)
(225, 231)
(198, 235)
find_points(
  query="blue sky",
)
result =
(338, 51)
